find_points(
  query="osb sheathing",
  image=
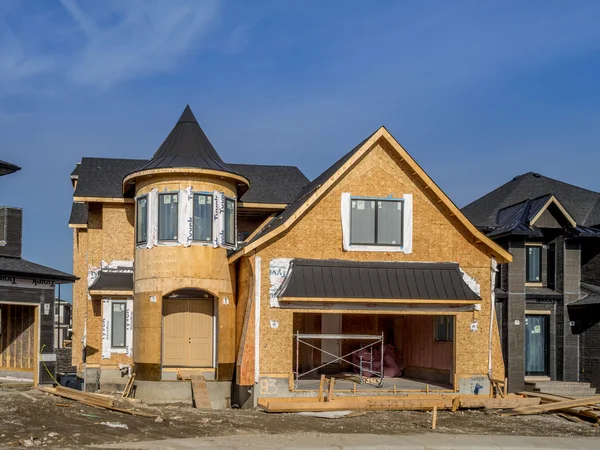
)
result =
(437, 237)
(245, 322)
(161, 270)
(109, 237)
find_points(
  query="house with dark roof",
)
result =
(261, 280)
(547, 298)
(27, 347)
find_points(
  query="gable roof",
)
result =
(103, 177)
(520, 217)
(582, 204)
(320, 185)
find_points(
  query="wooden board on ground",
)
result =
(588, 411)
(557, 406)
(355, 404)
(200, 392)
(499, 403)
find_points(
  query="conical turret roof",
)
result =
(187, 146)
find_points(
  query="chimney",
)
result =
(11, 231)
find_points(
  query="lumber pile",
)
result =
(582, 408)
(87, 398)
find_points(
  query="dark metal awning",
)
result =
(402, 282)
(112, 281)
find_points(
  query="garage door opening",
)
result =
(416, 352)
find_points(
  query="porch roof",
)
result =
(393, 281)
(113, 281)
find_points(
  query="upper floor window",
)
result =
(203, 212)
(167, 217)
(533, 267)
(141, 232)
(229, 232)
(376, 222)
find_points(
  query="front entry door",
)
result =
(330, 324)
(188, 333)
(536, 345)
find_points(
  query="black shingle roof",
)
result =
(330, 279)
(113, 281)
(19, 267)
(79, 214)
(187, 146)
(582, 204)
(7, 168)
(103, 177)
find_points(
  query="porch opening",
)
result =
(188, 329)
(17, 338)
(418, 350)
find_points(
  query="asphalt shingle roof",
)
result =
(79, 214)
(103, 177)
(582, 204)
(7, 168)
(22, 267)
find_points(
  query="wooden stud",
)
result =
(455, 404)
(434, 419)
(505, 387)
(321, 384)
(331, 384)
(427, 388)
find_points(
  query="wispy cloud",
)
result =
(98, 43)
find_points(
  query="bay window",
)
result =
(229, 232)
(141, 232)
(167, 216)
(202, 222)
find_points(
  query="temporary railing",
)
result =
(363, 366)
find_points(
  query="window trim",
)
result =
(112, 322)
(137, 214)
(379, 199)
(205, 194)
(234, 231)
(450, 326)
(537, 282)
(158, 218)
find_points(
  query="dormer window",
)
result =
(229, 232)
(167, 216)
(203, 212)
(141, 232)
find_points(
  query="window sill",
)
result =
(533, 284)
(118, 350)
(374, 248)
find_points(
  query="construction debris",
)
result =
(95, 400)
(556, 406)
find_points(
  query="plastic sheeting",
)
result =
(278, 270)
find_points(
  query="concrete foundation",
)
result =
(154, 392)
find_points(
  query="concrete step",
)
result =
(557, 383)
(573, 389)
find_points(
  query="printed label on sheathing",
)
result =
(106, 314)
(278, 270)
(129, 328)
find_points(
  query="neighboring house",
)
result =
(548, 297)
(62, 322)
(192, 263)
(26, 303)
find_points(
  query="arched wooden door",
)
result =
(188, 331)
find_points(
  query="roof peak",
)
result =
(187, 116)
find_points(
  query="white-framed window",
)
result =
(117, 326)
(168, 213)
(377, 224)
(141, 220)
(118, 329)
(229, 223)
(443, 328)
(203, 217)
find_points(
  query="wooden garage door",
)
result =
(188, 333)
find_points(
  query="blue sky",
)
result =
(477, 92)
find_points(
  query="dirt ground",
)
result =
(30, 418)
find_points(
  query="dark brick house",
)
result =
(26, 303)
(548, 299)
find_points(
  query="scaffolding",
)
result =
(362, 366)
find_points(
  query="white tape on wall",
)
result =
(106, 316)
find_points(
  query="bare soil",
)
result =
(31, 418)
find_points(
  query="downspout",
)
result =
(493, 271)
